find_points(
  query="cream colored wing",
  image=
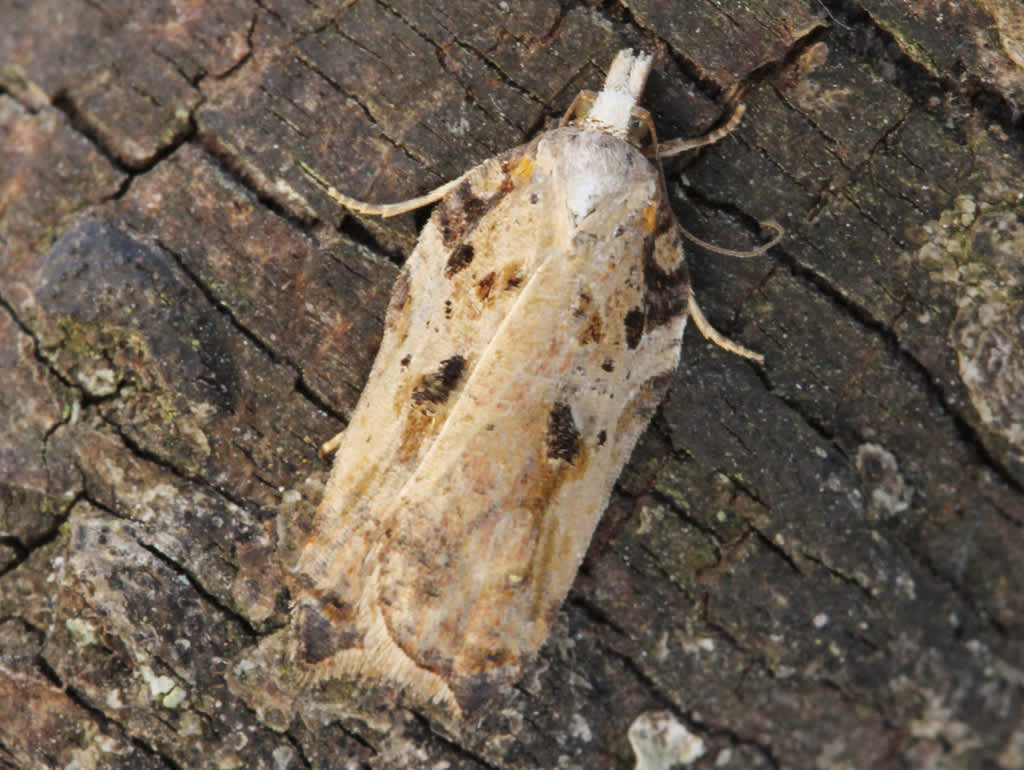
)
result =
(528, 342)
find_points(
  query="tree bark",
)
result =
(814, 563)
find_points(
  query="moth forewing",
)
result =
(531, 335)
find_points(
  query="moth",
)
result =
(530, 337)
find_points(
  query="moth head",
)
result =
(614, 109)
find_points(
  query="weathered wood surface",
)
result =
(817, 563)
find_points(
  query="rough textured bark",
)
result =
(817, 563)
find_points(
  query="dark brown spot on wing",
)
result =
(664, 294)
(324, 627)
(460, 212)
(665, 221)
(608, 365)
(593, 330)
(484, 286)
(582, 303)
(563, 437)
(435, 387)
(665, 275)
(634, 323)
(514, 281)
(460, 258)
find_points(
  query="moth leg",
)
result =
(715, 336)
(681, 145)
(380, 209)
(676, 146)
(330, 446)
(742, 254)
